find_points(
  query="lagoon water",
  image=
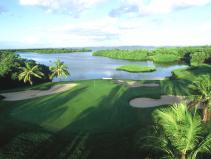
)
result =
(84, 66)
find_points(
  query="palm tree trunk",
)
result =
(205, 114)
(183, 156)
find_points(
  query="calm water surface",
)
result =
(84, 66)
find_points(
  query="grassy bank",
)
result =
(94, 120)
(136, 68)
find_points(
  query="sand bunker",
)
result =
(134, 84)
(149, 102)
(14, 96)
(137, 84)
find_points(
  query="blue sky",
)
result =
(82, 23)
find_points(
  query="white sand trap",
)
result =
(134, 84)
(137, 84)
(119, 81)
(14, 96)
(149, 102)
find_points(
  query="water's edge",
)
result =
(84, 66)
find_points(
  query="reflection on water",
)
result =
(84, 66)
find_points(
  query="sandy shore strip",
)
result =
(14, 96)
(150, 102)
(134, 84)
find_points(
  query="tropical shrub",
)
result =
(8, 61)
(179, 134)
(202, 88)
(167, 58)
(198, 58)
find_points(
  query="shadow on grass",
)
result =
(104, 131)
(175, 87)
(20, 139)
(201, 70)
(46, 109)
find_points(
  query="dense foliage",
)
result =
(10, 68)
(141, 55)
(202, 86)
(188, 55)
(136, 68)
(179, 133)
(8, 61)
(51, 51)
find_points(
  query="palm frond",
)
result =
(203, 147)
(28, 72)
(59, 69)
(181, 130)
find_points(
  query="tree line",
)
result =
(16, 71)
(189, 55)
(50, 50)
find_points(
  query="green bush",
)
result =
(166, 58)
(140, 55)
(8, 61)
(198, 58)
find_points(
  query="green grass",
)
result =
(93, 120)
(136, 68)
(192, 73)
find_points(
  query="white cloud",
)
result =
(74, 7)
(109, 31)
(80, 33)
(155, 7)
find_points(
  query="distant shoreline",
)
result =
(50, 51)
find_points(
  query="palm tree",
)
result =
(59, 69)
(178, 133)
(28, 72)
(202, 86)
